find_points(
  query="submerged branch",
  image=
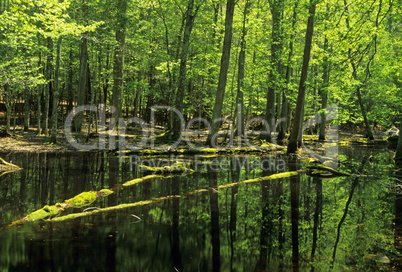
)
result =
(8, 167)
(159, 199)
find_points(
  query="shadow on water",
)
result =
(299, 223)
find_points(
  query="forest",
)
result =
(291, 111)
(239, 60)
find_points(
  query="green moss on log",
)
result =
(83, 198)
(105, 192)
(138, 180)
(146, 202)
(113, 208)
(87, 198)
(8, 167)
(45, 212)
(177, 167)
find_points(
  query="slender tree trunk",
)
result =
(190, 18)
(355, 76)
(69, 87)
(91, 94)
(39, 108)
(240, 77)
(283, 125)
(227, 44)
(276, 64)
(82, 83)
(7, 92)
(56, 92)
(323, 90)
(106, 83)
(118, 66)
(292, 145)
(49, 87)
(364, 113)
(27, 109)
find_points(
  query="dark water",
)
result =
(300, 223)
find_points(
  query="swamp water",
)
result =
(297, 223)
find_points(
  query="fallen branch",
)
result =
(159, 199)
(81, 200)
(8, 167)
(323, 171)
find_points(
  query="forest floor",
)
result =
(32, 142)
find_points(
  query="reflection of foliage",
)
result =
(367, 228)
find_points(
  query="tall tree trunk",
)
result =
(118, 66)
(106, 83)
(240, 77)
(39, 109)
(355, 66)
(82, 82)
(190, 18)
(283, 125)
(69, 87)
(49, 87)
(27, 109)
(227, 44)
(364, 113)
(7, 92)
(292, 145)
(56, 92)
(276, 64)
(323, 90)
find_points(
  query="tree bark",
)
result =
(276, 64)
(118, 67)
(69, 84)
(323, 91)
(355, 77)
(283, 125)
(82, 83)
(27, 109)
(56, 92)
(292, 145)
(8, 106)
(190, 18)
(49, 87)
(364, 113)
(240, 77)
(227, 44)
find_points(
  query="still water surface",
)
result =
(300, 223)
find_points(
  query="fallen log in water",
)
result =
(146, 202)
(8, 167)
(81, 200)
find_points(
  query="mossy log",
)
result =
(138, 180)
(315, 169)
(159, 199)
(83, 199)
(8, 167)
(177, 167)
(86, 198)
